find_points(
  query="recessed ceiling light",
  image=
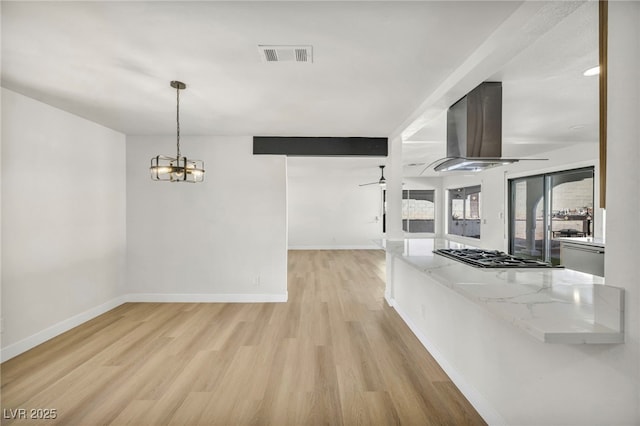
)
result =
(415, 164)
(591, 72)
(577, 127)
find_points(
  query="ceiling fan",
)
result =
(381, 182)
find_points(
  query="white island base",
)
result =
(490, 331)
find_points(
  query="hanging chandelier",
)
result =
(177, 169)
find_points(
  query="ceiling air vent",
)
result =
(273, 53)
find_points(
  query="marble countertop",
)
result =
(587, 241)
(554, 305)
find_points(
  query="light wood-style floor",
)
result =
(334, 354)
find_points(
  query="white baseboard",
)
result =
(48, 333)
(389, 299)
(206, 298)
(482, 406)
(331, 247)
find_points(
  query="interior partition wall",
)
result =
(545, 207)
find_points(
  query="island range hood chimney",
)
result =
(474, 132)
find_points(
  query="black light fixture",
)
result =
(382, 182)
(177, 169)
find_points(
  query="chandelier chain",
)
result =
(178, 120)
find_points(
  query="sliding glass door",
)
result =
(571, 207)
(527, 211)
(545, 207)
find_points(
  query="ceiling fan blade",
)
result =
(382, 180)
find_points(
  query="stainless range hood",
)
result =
(474, 132)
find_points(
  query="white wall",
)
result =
(1, 138)
(328, 209)
(63, 220)
(622, 257)
(221, 240)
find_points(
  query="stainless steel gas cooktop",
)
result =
(491, 259)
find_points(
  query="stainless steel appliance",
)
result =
(474, 132)
(491, 259)
(582, 257)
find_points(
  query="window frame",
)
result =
(406, 195)
(466, 191)
(547, 192)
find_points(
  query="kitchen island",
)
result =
(524, 346)
(554, 305)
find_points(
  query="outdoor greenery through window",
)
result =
(464, 211)
(418, 210)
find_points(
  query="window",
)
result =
(418, 210)
(549, 206)
(464, 211)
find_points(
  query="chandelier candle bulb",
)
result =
(178, 168)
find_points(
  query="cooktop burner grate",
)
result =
(491, 259)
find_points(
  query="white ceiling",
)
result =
(380, 68)
(547, 102)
